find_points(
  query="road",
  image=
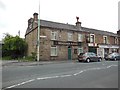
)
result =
(62, 75)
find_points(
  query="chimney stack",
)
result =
(30, 21)
(35, 16)
(118, 32)
(78, 24)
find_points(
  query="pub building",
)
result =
(65, 41)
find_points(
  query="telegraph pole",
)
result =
(38, 36)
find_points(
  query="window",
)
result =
(70, 36)
(80, 50)
(53, 35)
(105, 39)
(80, 37)
(30, 26)
(54, 51)
(92, 38)
(75, 51)
(116, 40)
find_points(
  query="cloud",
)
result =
(2, 5)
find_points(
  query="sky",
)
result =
(96, 14)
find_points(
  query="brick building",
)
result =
(118, 32)
(65, 41)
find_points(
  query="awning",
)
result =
(108, 46)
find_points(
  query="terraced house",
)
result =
(65, 41)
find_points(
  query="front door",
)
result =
(69, 53)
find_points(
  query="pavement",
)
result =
(31, 63)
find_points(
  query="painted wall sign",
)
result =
(64, 43)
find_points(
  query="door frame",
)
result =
(69, 53)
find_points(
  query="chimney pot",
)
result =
(118, 32)
(35, 16)
(78, 24)
(77, 19)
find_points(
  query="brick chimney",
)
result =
(118, 32)
(78, 24)
(35, 16)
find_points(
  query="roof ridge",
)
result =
(98, 30)
(56, 22)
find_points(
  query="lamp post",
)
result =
(38, 36)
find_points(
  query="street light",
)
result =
(38, 36)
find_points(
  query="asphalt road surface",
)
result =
(62, 75)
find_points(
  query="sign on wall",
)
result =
(65, 43)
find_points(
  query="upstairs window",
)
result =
(70, 36)
(80, 37)
(92, 38)
(105, 39)
(116, 40)
(54, 35)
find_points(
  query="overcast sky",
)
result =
(97, 14)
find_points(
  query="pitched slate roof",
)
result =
(57, 25)
(51, 24)
(90, 30)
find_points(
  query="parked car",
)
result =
(113, 56)
(89, 56)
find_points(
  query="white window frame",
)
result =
(80, 37)
(91, 38)
(80, 49)
(54, 35)
(54, 53)
(105, 42)
(116, 40)
(70, 36)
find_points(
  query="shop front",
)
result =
(92, 47)
(103, 50)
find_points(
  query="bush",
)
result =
(7, 58)
(33, 55)
(14, 46)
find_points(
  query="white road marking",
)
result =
(98, 68)
(111, 66)
(78, 73)
(43, 78)
(65, 75)
(21, 83)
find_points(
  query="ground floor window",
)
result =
(114, 50)
(80, 50)
(92, 49)
(54, 51)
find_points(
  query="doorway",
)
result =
(69, 53)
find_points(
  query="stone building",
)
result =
(65, 41)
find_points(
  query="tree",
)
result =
(14, 46)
